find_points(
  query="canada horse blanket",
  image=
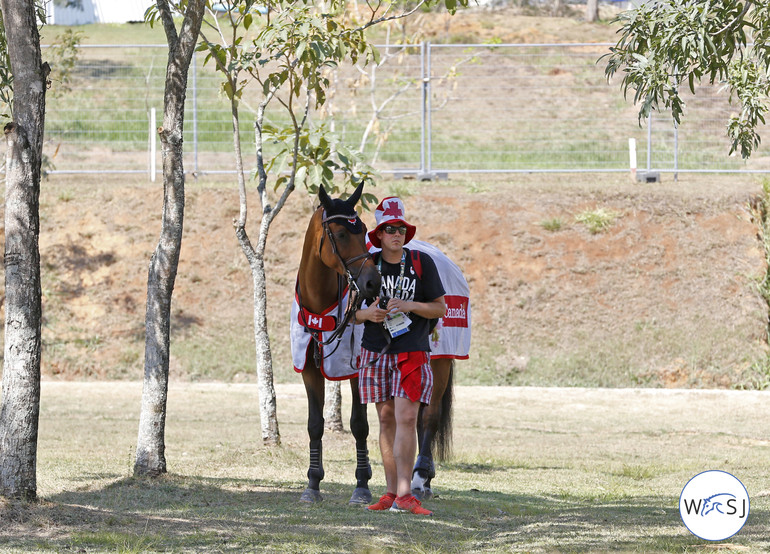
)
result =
(451, 337)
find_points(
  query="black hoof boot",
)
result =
(311, 496)
(361, 497)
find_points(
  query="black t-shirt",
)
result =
(413, 288)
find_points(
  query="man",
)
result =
(394, 366)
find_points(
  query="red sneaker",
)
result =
(384, 503)
(409, 503)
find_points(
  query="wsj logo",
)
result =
(714, 505)
(723, 503)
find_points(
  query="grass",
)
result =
(533, 470)
(553, 224)
(597, 219)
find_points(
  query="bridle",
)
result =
(354, 296)
(345, 263)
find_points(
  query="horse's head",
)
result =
(343, 246)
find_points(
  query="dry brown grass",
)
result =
(533, 470)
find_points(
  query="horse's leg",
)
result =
(433, 428)
(359, 426)
(314, 388)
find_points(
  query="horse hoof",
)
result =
(361, 497)
(422, 494)
(418, 485)
(311, 496)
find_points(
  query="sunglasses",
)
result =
(392, 230)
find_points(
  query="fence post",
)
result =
(195, 115)
(425, 142)
(632, 157)
(649, 142)
(429, 126)
(422, 109)
(676, 152)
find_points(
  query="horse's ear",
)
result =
(326, 202)
(356, 196)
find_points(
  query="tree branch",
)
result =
(383, 18)
(168, 22)
(734, 22)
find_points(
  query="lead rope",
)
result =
(399, 284)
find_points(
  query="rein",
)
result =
(354, 299)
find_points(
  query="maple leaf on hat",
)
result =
(393, 209)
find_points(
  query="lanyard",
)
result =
(400, 281)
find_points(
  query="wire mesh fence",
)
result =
(425, 109)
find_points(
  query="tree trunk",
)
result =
(592, 10)
(256, 258)
(267, 402)
(20, 409)
(150, 446)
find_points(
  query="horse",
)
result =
(336, 273)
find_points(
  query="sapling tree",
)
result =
(22, 68)
(280, 51)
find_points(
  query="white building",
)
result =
(95, 11)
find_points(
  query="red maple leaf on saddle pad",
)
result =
(393, 210)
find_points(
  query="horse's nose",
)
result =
(369, 282)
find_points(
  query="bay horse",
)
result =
(336, 273)
(335, 265)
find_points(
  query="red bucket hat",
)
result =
(390, 210)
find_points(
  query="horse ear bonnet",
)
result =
(342, 207)
(347, 207)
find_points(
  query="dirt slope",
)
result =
(666, 296)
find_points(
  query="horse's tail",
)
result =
(442, 442)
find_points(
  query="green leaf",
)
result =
(301, 174)
(281, 181)
(227, 87)
(221, 56)
(315, 175)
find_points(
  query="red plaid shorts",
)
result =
(381, 380)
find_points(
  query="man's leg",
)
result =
(386, 416)
(404, 444)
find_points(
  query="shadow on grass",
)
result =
(234, 515)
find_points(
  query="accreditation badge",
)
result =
(397, 324)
